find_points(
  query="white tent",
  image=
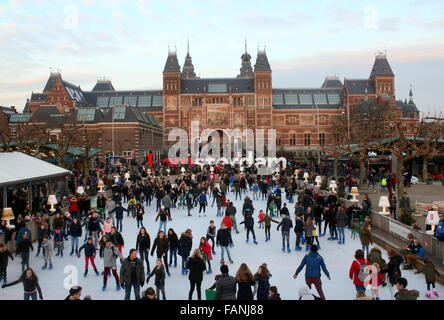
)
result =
(17, 167)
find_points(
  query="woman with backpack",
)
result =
(359, 270)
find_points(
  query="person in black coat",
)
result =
(24, 249)
(159, 280)
(245, 282)
(196, 265)
(185, 245)
(30, 285)
(143, 245)
(224, 240)
(75, 231)
(4, 255)
(119, 209)
(174, 246)
(249, 224)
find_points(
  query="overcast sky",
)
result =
(127, 41)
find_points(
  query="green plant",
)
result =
(406, 216)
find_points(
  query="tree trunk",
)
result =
(86, 166)
(361, 172)
(335, 168)
(400, 184)
(425, 168)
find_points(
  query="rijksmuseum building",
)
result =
(300, 116)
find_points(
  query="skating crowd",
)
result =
(292, 207)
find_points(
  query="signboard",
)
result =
(399, 230)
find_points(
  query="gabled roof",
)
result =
(42, 114)
(232, 85)
(38, 96)
(359, 86)
(88, 115)
(127, 114)
(406, 107)
(381, 67)
(172, 64)
(262, 63)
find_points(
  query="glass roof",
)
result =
(119, 112)
(131, 100)
(291, 99)
(157, 101)
(20, 117)
(217, 87)
(102, 102)
(320, 98)
(115, 101)
(144, 101)
(278, 99)
(86, 114)
(334, 99)
(305, 99)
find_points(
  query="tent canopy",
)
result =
(17, 167)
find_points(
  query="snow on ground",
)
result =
(282, 265)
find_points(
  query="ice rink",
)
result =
(338, 258)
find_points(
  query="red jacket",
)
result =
(354, 271)
(379, 278)
(73, 204)
(206, 248)
(227, 221)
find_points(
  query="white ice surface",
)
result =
(282, 265)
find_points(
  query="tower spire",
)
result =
(246, 46)
(410, 94)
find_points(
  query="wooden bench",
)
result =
(390, 242)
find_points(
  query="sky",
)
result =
(128, 40)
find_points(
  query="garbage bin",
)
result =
(210, 294)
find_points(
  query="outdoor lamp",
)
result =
(148, 171)
(8, 215)
(318, 181)
(333, 186)
(182, 170)
(211, 169)
(101, 185)
(52, 200)
(127, 176)
(355, 193)
(432, 220)
(168, 171)
(306, 175)
(80, 190)
(384, 203)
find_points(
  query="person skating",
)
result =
(273, 294)
(225, 241)
(298, 230)
(41, 232)
(149, 294)
(393, 269)
(47, 253)
(225, 285)
(161, 245)
(286, 225)
(159, 280)
(205, 250)
(174, 247)
(140, 211)
(231, 212)
(358, 269)
(308, 230)
(262, 278)
(366, 235)
(341, 223)
(314, 263)
(24, 248)
(202, 199)
(118, 210)
(90, 254)
(143, 245)
(110, 254)
(267, 220)
(164, 217)
(132, 275)
(185, 245)
(430, 274)
(117, 239)
(249, 224)
(30, 283)
(75, 232)
(211, 234)
(196, 265)
(245, 282)
(4, 255)
(59, 241)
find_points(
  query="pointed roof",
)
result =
(411, 95)
(188, 67)
(381, 67)
(172, 64)
(262, 63)
(246, 71)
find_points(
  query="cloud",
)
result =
(192, 12)
(435, 23)
(142, 6)
(118, 15)
(293, 18)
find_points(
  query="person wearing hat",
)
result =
(313, 262)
